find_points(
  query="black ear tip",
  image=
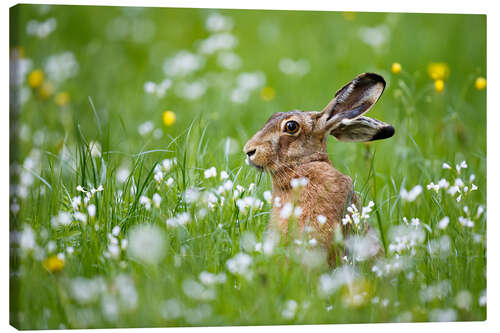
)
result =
(375, 77)
(384, 133)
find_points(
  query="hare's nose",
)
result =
(251, 152)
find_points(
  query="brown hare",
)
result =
(292, 146)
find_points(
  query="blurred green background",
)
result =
(117, 58)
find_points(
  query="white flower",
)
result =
(268, 196)
(95, 149)
(146, 243)
(299, 182)
(443, 183)
(41, 29)
(145, 201)
(290, 309)
(158, 176)
(415, 222)
(463, 300)
(329, 283)
(122, 174)
(249, 81)
(297, 212)
(197, 291)
(460, 166)
(376, 36)
(290, 67)
(191, 90)
(286, 211)
(168, 163)
(63, 218)
(433, 186)
(224, 175)
(216, 22)
(79, 216)
(240, 264)
(170, 181)
(321, 219)
(443, 315)
(446, 166)
(443, 223)
(145, 128)
(216, 42)
(211, 172)
(482, 298)
(362, 248)
(183, 63)
(465, 222)
(61, 66)
(179, 220)
(412, 194)
(210, 279)
(91, 209)
(459, 182)
(157, 89)
(156, 200)
(248, 202)
(116, 230)
(453, 189)
(480, 211)
(277, 202)
(76, 202)
(26, 239)
(191, 195)
(229, 60)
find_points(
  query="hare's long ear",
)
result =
(352, 100)
(362, 129)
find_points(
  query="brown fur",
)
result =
(303, 154)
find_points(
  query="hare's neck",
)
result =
(282, 178)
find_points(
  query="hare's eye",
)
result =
(291, 127)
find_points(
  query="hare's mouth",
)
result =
(250, 162)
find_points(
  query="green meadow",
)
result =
(131, 204)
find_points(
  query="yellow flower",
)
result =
(35, 78)
(46, 90)
(480, 83)
(438, 70)
(396, 68)
(356, 293)
(439, 85)
(267, 93)
(349, 16)
(62, 98)
(168, 118)
(53, 264)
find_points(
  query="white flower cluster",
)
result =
(240, 265)
(146, 243)
(246, 203)
(157, 89)
(391, 266)
(183, 63)
(331, 282)
(355, 217)
(245, 84)
(405, 238)
(290, 67)
(41, 29)
(61, 67)
(115, 244)
(412, 194)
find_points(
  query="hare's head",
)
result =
(297, 137)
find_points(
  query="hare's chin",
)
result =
(249, 162)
